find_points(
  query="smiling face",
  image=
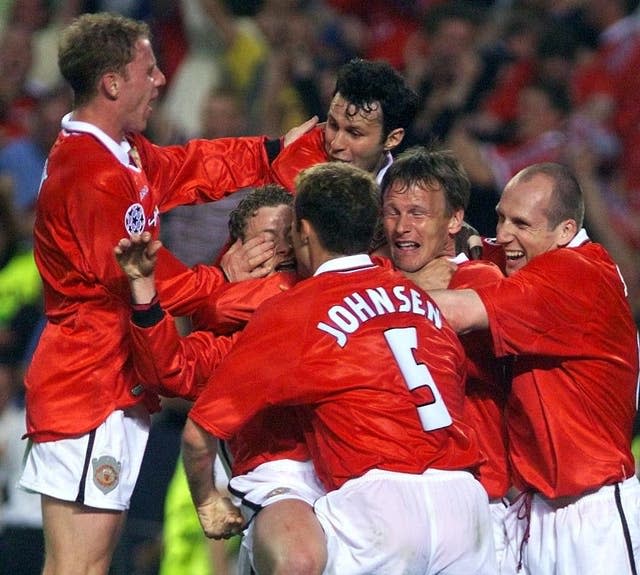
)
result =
(139, 87)
(276, 221)
(524, 228)
(418, 224)
(356, 136)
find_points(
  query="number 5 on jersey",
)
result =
(432, 411)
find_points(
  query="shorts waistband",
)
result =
(564, 501)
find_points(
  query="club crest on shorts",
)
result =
(134, 219)
(106, 473)
(277, 491)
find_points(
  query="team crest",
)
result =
(134, 219)
(106, 473)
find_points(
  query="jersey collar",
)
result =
(119, 150)
(346, 264)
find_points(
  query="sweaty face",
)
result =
(138, 90)
(275, 221)
(355, 138)
(523, 224)
(417, 225)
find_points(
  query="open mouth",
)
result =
(286, 266)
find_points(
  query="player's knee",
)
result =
(300, 561)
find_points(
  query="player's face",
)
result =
(417, 225)
(523, 224)
(275, 221)
(356, 138)
(139, 88)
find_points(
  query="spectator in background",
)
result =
(446, 71)
(540, 135)
(18, 95)
(21, 535)
(196, 234)
(22, 159)
(20, 287)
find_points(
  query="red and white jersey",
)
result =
(377, 372)
(91, 196)
(487, 384)
(565, 318)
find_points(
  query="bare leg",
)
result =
(79, 540)
(289, 540)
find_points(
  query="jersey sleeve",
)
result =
(183, 290)
(261, 377)
(233, 303)
(538, 310)
(203, 170)
(172, 365)
(306, 151)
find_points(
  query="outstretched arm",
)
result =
(463, 309)
(218, 516)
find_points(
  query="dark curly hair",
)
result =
(363, 83)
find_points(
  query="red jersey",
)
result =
(91, 196)
(232, 304)
(350, 345)
(487, 385)
(306, 151)
(575, 373)
(181, 366)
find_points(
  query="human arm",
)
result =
(435, 275)
(463, 309)
(217, 515)
(164, 361)
(137, 257)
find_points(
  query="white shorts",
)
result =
(588, 536)
(266, 484)
(386, 523)
(98, 469)
(498, 514)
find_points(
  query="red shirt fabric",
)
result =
(487, 385)
(91, 196)
(306, 151)
(183, 365)
(334, 345)
(570, 412)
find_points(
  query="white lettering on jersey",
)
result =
(358, 308)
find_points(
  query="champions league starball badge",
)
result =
(106, 473)
(134, 219)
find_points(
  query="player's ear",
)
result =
(455, 222)
(393, 139)
(305, 230)
(567, 229)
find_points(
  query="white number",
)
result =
(434, 413)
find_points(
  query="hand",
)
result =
(294, 133)
(137, 255)
(435, 275)
(219, 518)
(249, 260)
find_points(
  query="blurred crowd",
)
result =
(502, 83)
